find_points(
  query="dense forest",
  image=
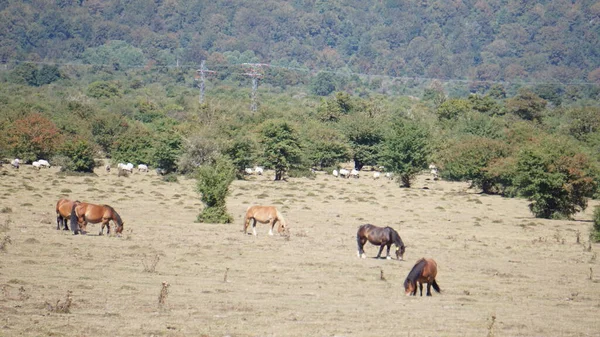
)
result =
(500, 93)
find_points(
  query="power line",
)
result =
(316, 70)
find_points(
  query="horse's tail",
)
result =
(74, 222)
(435, 286)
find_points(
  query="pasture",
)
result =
(501, 271)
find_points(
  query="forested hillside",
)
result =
(503, 94)
(496, 40)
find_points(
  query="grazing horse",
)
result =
(381, 236)
(84, 213)
(424, 271)
(63, 212)
(264, 214)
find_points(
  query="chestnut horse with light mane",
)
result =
(264, 214)
(63, 212)
(84, 213)
(424, 271)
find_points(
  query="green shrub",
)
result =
(170, 178)
(595, 235)
(79, 154)
(213, 184)
(469, 159)
(555, 177)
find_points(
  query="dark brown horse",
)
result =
(84, 213)
(379, 236)
(424, 271)
(63, 212)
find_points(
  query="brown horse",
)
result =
(264, 214)
(63, 212)
(84, 213)
(424, 271)
(382, 237)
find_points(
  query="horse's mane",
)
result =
(396, 238)
(119, 221)
(415, 272)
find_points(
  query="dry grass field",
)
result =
(502, 272)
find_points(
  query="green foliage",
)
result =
(165, 152)
(281, 146)
(596, 226)
(105, 128)
(366, 137)
(30, 74)
(555, 177)
(241, 153)
(116, 54)
(407, 150)
(325, 147)
(469, 159)
(80, 155)
(102, 89)
(213, 182)
(323, 84)
(197, 151)
(526, 105)
(453, 108)
(134, 146)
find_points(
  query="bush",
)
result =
(170, 178)
(80, 154)
(555, 178)
(407, 150)
(596, 226)
(469, 159)
(213, 185)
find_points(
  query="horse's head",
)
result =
(282, 227)
(119, 229)
(400, 252)
(409, 287)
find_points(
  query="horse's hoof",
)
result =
(363, 256)
(388, 258)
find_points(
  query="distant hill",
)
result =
(491, 40)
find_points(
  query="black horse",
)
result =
(381, 236)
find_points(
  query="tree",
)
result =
(80, 154)
(366, 137)
(213, 182)
(526, 105)
(281, 147)
(323, 84)
(406, 150)
(134, 146)
(241, 153)
(165, 152)
(555, 177)
(453, 108)
(33, 137)
(468, 159)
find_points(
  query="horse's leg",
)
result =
(421, 288)
(58, 221)
(380, 250)
(254, 226)
(66, 226)
(389, 245)
(428, 288)
(272, 226)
